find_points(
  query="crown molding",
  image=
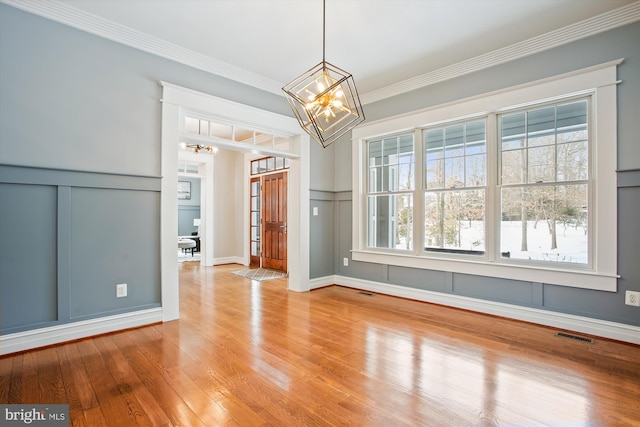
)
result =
(76, 18)
(68, 15)
(588, 27)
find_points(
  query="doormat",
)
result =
(260, 274)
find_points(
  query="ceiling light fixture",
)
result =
(324, 99)
(197, 148)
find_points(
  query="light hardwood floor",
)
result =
(252, 353)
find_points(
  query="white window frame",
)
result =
(599, 82)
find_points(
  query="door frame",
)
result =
(174, 100)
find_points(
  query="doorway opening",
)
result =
(175, 101)
(268, 213)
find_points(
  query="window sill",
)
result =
(586, 279)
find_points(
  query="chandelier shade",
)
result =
(325, 100)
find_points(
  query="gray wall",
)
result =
(611, 45)
(80, 121)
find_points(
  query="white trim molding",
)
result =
(230, 260)
(175, 98)
(76, 18)
(588, 27)
(21, 341)
(90, 23)
(585, 325)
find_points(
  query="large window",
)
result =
(518, 184)
(391, 163)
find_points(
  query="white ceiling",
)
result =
(380, 42)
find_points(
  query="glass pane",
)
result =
(541, 127)
(254, 167)
(434, 140)
(545, 224)
(191, 125)
(406, 174)
(390, 221)
(454, 221)
(454, 141)
(281, 143)
(255, 218)
(454, 172)
(255, 188)
(389, 178)
(271, 164)
(286, 163)
(242, 135)
(542, 164)
(255, 233)
(573, 161)
(514, 167)
(406, 145)
(204, 128)
(435, 174)
(475, 168)
(264, 139)
(512, 131)
(375, 179)
(255, 203)
(403, 230)
(375, 153)
(390, 151)
(255, 248)
(279, 163)
(263, 165)
(572, 122)
(221, 131)
(475, 138)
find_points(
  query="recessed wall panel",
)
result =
(28, 271)
(115, 238)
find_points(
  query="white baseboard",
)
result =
(230, 260)
(27, 340)
(586, 325)
(321, 282)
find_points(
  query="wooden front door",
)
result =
(274, 221)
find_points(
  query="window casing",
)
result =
(543, 147)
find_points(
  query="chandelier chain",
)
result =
(324, 5)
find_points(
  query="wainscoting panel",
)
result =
(67, 238)
(493, 288)
(28, 285)
(115, 239)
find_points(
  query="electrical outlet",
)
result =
(345, 262)
(121, 290)
(632, 298)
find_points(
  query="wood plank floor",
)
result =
(251, 353)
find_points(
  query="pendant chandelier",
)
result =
(197, 148)
(324, 99)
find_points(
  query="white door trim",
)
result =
(175, 98)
